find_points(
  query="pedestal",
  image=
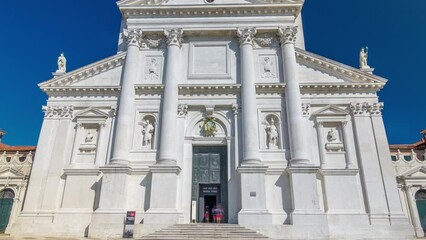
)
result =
(253, 196)
(305, 197)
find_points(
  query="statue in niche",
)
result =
(89, 137)
(363, 57)
(148, 131)
(267, 68)
(272, 132)
(152, 70)
(62, 64)
(332, 135)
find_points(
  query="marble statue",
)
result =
(332, 135)
(272, 133)
(62, 64)
(363, 57)
(148, 130)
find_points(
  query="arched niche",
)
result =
(148, 131)
(271, 132)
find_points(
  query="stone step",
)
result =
(205, 231)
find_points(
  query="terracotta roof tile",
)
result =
(4, 147)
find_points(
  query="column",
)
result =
(321, 143)
(122, 133)
(298, 146)
(248, 97)
(164, 211)
(349, 147)
(167, 152)
(252, 172)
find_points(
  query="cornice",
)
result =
(81, 91)
(209, 89)
(85, 72)
(213, 10)
(337, 69)
(148, 89)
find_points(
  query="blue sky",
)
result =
(34, 33)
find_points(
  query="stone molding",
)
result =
(287, 7)
(19, 164)
(287, 35)
(246, 35)
(174, 37)
(58, 111)
(82, 91)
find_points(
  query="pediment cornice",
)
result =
(83, 73)
(148, 8)
(334, 68)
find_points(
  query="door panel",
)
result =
(5, 209)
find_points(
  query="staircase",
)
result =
(205, 231)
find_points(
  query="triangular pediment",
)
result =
(416, 172)
(322, 69)
(10, 173)
(330, 110)
(137, 3)
(101, 73)
(91, 113)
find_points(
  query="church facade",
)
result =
(214, 102)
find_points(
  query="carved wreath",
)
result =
(210, 126)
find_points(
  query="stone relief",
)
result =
(268, 68)
(331, 135)
(265, 40)
(375, 109)
(153, 69)
(182, 110)
(19, 163)
(153, 41)
(147, 132)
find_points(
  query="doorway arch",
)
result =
(6, 202)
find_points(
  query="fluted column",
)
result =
(298, 146)
(167, 154)
(248, 97)
(122, 133)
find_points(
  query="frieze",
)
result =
(375, 109)
(153, 41)
(58, 111)
(265, 40)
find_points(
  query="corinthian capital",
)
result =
(287, 34)
(246, 35)
(133, 37)
(174, 36)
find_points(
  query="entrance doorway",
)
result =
(209, 182)
(6, 203)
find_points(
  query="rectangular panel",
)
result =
(209, 60)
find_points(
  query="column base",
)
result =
(300, 162)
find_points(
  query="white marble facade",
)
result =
(306, 149)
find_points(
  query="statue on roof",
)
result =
(363, 57)
(62, 64)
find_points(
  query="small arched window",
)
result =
(7, 194)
